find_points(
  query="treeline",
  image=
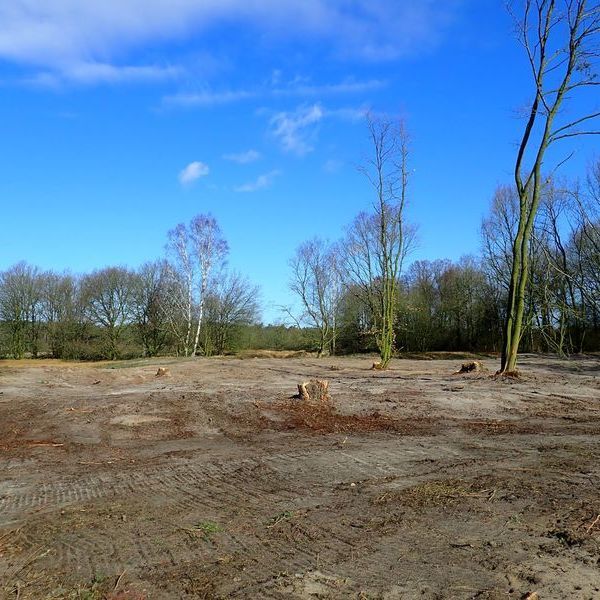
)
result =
(114, 312)
(189, 303)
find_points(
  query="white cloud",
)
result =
(71, 37)
(243, 158)
(192, 172)
(294, 130)
(262, 182)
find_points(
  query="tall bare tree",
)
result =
(378, 242)
(561, 42)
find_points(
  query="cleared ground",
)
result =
(213, 483)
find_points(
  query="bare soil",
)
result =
(215, 482)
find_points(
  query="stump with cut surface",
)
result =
(163, 372)
(316, 390)
(471, 367)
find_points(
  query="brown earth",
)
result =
(215, 483)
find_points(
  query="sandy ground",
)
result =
(214, 483)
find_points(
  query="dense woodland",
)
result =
(188, 303)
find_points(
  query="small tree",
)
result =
(561, 45)
(317, 281)
(232, 303)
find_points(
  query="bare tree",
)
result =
(62, 313)
(21, 307)
(108, 300)
(561, 45)
(233, 302)
(148, 292)
(317, 281)
(378, 242)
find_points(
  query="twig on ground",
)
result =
(119, 580)
(593, 524)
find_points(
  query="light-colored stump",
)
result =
(163, 372)
(315, 391)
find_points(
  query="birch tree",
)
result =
(178, 302)
(209, 251)
(195, 252)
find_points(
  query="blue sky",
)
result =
(119, 120)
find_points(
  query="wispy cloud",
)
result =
(303, 87)
(294, 130)
(192, 172)
(243, 158)
(333, 165)
(90, 73)
(208, 98)
(59, 37)
(262, 182)
(298, 87)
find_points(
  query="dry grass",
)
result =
(430, 493)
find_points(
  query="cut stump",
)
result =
(163, 372)
(315, 391)
(471, 367)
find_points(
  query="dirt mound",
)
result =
(324, 418)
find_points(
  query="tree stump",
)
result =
(163, 372)
(471, 367)
(315, 391)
